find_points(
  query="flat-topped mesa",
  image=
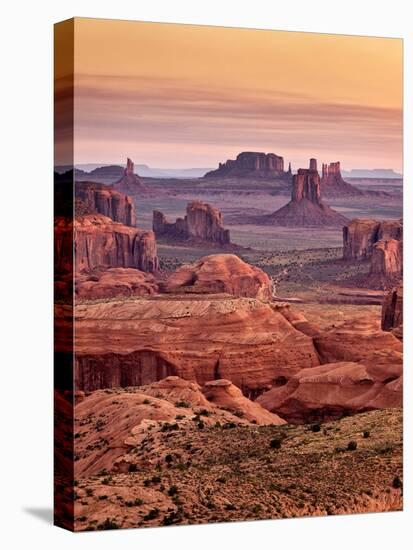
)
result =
(202, 222)
(101, 243)
(360, 236)
(130, 182)
(306, 208)
(102, 199)
(251, 164)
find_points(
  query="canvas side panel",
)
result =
(63, 274)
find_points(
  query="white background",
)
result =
(26, 271)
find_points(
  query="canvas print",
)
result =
(228, 274)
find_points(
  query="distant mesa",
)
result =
(102, 199)
(306, 208)
(130, 182)
(374, 173)
(252, 165)
(202, 222)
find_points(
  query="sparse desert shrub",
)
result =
(132, 468)
(397, 483)
(108, 524)
(315, 428)
(171, 518)
(169, 458)
(173, 490)
(352, 445)
(152, 514)
(366, 434)
(183, 404)
(201, 425)
(275, 443)
(146, 402)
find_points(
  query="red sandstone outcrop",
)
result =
(199, 338)
(225, 395)
(113, 282)
(220, 273)
(387, 260)
(333, 185)
(99, 242)
(251, 164)
(355, 341)
(306, 208)
(130, 182)
(360, 236)
(392, 312)
(202, 222)
(102, 199)
(334, 390)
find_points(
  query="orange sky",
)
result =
(185, 96)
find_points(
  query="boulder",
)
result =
(220, 273)
(114, 282)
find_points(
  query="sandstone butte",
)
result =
(103, 243)
(199, 338)
(130, 183)
(220, 273)
(360, 236)
(333, 184)
(252, 165)
(306, 209)
(202, 222)
(102, 199)
(392, 312)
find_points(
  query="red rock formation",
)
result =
(129, 183)
(360, 236)
(332, 183)
(225, 395)
(99, 242)
(387, 260)
(251, 164)
(202, 222)
(102, 199)
(199, 338)
(113, 282)
(305, 208)
(392, 312)
(334, 390)
(220, 273)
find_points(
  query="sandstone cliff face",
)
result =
(306, 208)
(99, 242)
(136, 342)
(202, 222)
(220, 273)
(104, 200)
(251, 164)
(392, 312)
(114, 282)
(387, 260)
(130, 183)
(360, 236)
